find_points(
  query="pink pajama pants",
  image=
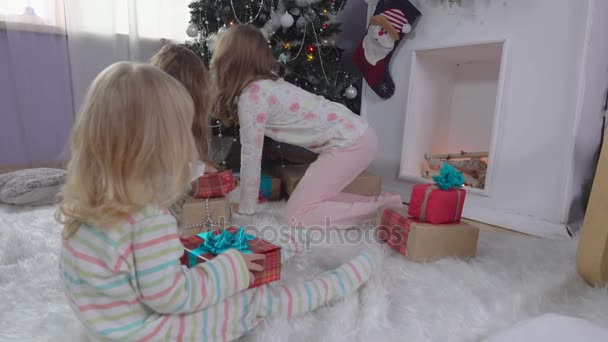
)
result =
(318, 200)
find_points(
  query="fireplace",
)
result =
(452, 112)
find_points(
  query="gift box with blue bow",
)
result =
(206, 246)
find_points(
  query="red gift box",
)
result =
(424, 242)
(272, 263)
(394, 229)
(433, 205)
(212, 185)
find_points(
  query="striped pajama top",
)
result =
(126, 283)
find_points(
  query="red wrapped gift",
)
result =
(212, 185)
(272, 263)
(423, 242)
(433, 205)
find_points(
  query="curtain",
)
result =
(51, 50)
(104, 32)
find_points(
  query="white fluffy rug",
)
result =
(512, 278)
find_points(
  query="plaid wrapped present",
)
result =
(212, 185)
(433, 205)
(423, 242)
(196, 252)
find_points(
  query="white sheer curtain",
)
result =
(51, 50)
(103, 32)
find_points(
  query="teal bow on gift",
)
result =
(219, 243)
(449, 178)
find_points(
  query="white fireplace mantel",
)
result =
(548, 122)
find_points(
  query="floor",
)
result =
(513, 277)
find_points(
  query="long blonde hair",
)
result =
(189, 69)
(241, 56)
(131, 147)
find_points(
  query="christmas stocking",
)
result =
(392, 20)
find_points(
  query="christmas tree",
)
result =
(301, 34)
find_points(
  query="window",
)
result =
(144, 18)
(38, 12)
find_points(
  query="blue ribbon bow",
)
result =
(449, 178)
(219, 243)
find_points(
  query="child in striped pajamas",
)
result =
(131, 149)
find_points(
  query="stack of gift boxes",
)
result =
(431, 228)
(207, 205)
(205, 224)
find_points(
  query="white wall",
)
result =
(545, 40)
(472, 107)
(591, 104)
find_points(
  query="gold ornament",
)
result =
(310, 57)
(287, 46)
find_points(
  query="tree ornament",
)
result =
(350, 92)
(286, 20)
(310, 57)
(325, 26)
(301, 23)
(222, 29)
(287, 46)
(295, 11)
(311, 48)
(325, 42)
(302, 3)
(192, 31)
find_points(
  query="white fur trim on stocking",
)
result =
(407, 28)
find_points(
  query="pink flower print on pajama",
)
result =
(255, 88)
(332, 117)
(310, 116)
(259, 140)
(294, 107)
(261, 118)
(273, 101)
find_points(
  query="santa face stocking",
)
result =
(392, 20)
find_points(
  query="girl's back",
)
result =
(295, 116)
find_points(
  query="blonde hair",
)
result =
(131, 147)
(241, 56)
(189, 69)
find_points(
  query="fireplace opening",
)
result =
(453, 102)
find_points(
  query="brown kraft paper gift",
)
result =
(366, 184)
(196, 219)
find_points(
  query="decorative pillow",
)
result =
(31, 186)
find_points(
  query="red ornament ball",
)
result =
(325, 26)
(311, 48)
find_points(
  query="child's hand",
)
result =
(252, 265)
(210, 167)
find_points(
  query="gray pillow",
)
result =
(31, 186)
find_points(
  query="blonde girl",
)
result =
(131, 151)
(250, 92)
(188, 68)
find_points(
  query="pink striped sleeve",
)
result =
(168, 287)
